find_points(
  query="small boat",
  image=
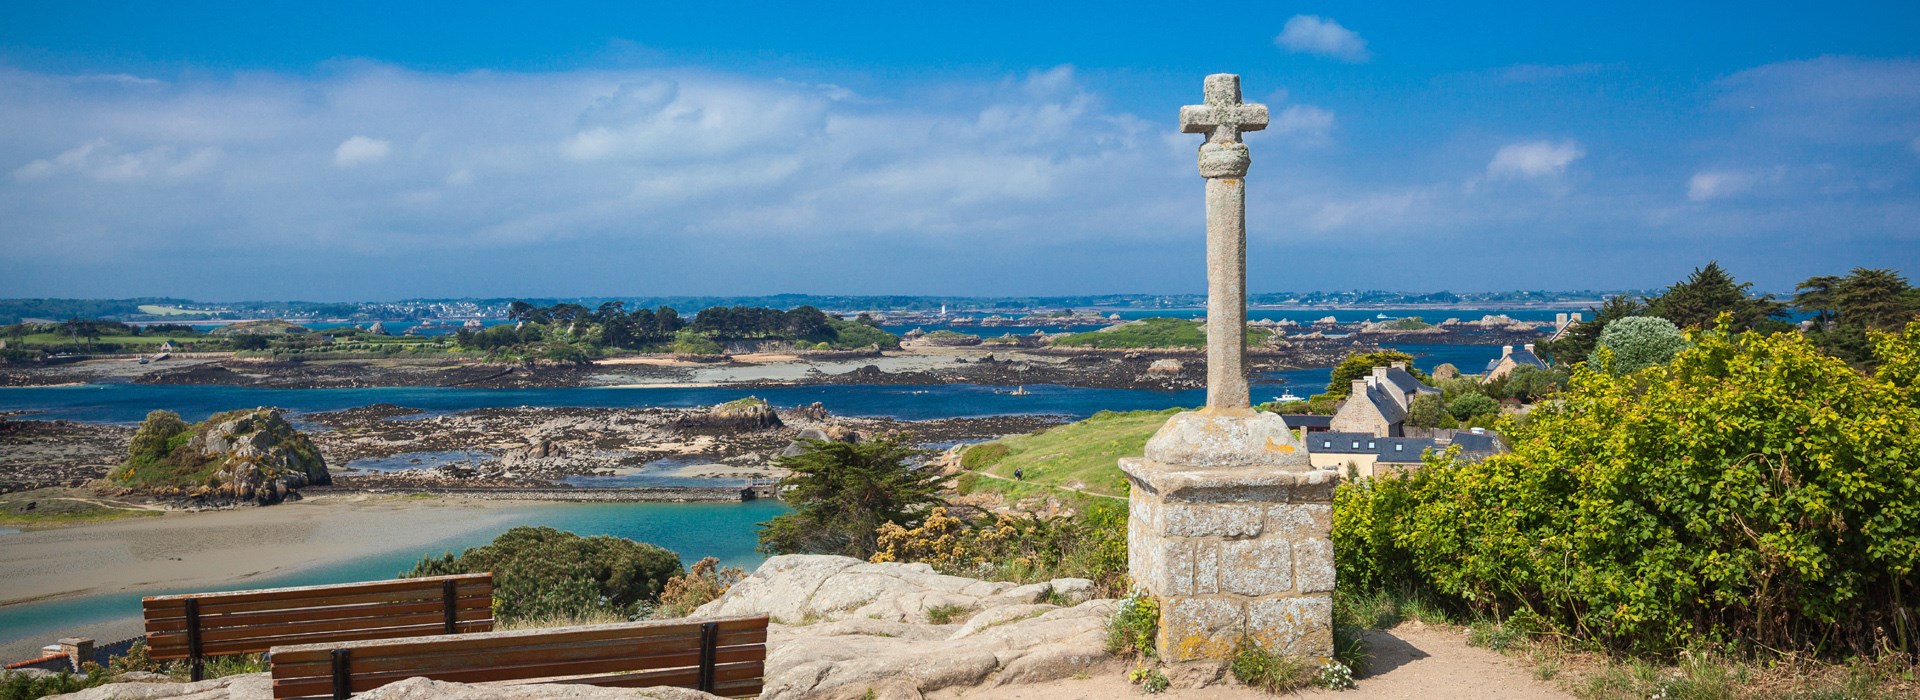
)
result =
(1382, 317)
(1020, 391)
(1287, 397)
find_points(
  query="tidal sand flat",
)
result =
(218, 550)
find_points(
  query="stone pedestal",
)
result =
(1231, 529)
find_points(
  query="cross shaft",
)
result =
(1223, 162)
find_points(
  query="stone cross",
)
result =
(1229, 523)
(1223, 162)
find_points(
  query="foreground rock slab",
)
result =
(844, 627)
(258, 686)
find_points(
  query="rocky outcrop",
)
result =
(844, 627)
(249, 456)
(746, 414)
(1165, 366)
(259, 686)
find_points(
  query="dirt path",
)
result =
(1411, 662)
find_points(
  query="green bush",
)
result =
(1755, 491)
(1134, 626)
(1470, 405)
(540, 572)
(688, 342)
(1638, 342)
(15, 685)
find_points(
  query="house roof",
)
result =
(1384, 403)
(1478, 443)
(1390, 449)
(1521, 356)
(1297, 421)
(1408, 384)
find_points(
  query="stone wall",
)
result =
(1234, 554)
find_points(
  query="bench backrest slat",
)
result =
(637, 654)
(254, 621)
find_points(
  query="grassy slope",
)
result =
(55, 507)
(1083, 456)
(1151, 333)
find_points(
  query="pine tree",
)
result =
(1711, 291)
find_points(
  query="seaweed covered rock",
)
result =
(750, 413)
(246, 456)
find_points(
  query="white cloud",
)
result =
(1305, 123)
(1719, 184)
(1318, 35)
(360, 150)
(1534, 159)
(104, 161)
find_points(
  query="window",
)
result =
(1398, 447)
(1326, 443)
(1356, 444)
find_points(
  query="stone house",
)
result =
(1363, 455)
(1378, 403)
(1510, 360)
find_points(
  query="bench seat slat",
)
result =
(211, 635)
(338, 612)
(517, 638)
(249, 646)
(296, 592)
(528, 652)
(213, 605)
(503, 668)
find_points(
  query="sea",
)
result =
(725, 531)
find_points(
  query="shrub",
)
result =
(1425, 411)
(543, 572)
(688, 342)
(1753, 491)
(1091, 544)
(1359, 365)
(1637, 343)
(842, 493)
(702, 584)
(1470, 405)
(20, 686)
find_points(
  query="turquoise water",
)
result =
(693, 530)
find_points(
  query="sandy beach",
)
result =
(219, 548)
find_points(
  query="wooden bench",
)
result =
(200, 625)
(725, 656)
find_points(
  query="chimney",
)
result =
(1529, 347)
(1399, 365)
(1560, 320)
(1576, 318)
(1360, 387)
(1379, 376)
(1506, 351)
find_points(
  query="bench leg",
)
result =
(195, 664)
(709, 641)
(342, 674)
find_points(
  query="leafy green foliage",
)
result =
(1753, 491)
(1467, 406)
(540, 572)
(842, 493)
(687, 342)
(15, 685)
(1847, 309)
(1273, 673)
(1426, 411)
(1580, 340)
(1709, 292)
(1359, 365)
(1638, 343)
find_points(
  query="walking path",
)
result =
(1049, 486)
(1410, 662)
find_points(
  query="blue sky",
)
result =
(382, 150)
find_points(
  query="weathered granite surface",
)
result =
(844, 627)
(258, 686)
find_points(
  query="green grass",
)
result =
(1083, 455)
(1151, 333)
(34, 339)
(55, 507)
